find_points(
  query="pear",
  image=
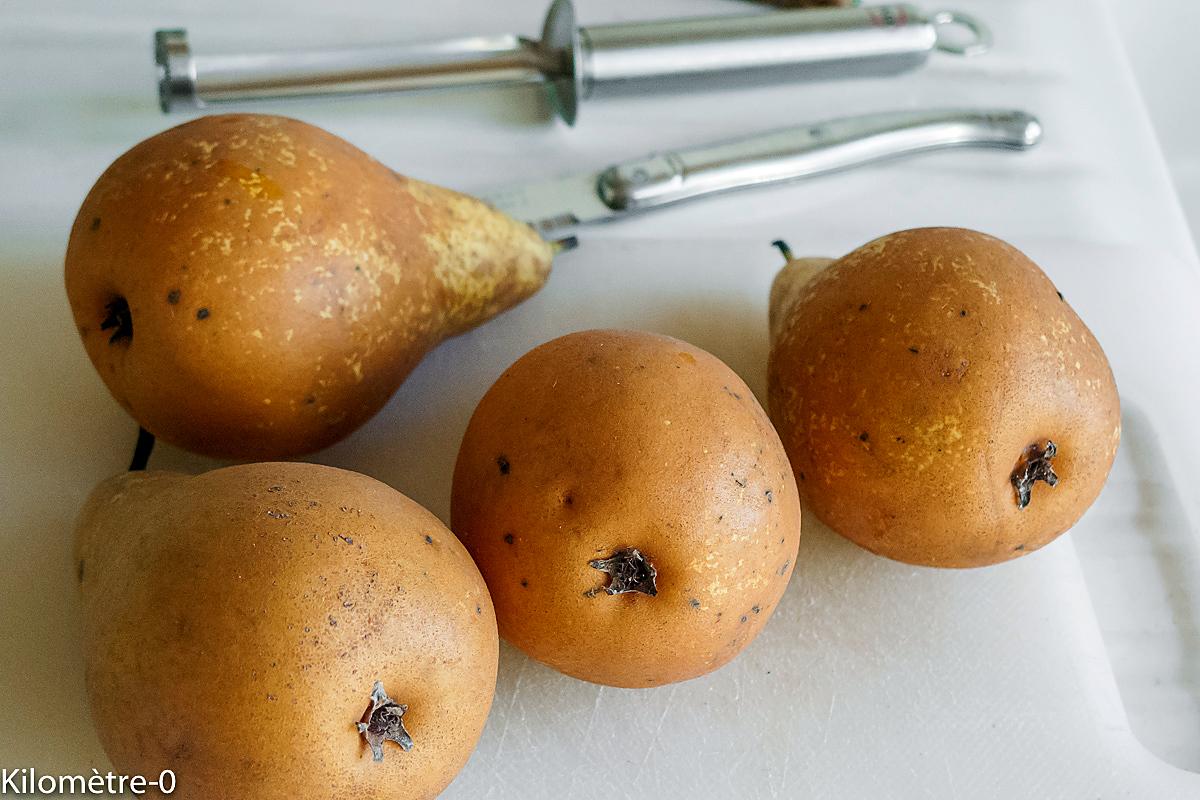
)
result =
(282, 631)
(941, 402)
(630, 507)
(253, 287)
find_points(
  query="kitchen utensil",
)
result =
(573, 62)
(632, 187)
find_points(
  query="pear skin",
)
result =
(236, 624)
(941, 402)
(253, 287)
(787, 288)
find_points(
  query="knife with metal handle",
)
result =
(778, 157)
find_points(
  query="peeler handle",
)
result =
(868, 40)
(795, 153)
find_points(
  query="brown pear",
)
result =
(250, 286)
(282, 631)
(941, 402)
(630, 507)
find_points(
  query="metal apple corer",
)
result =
(575, 63)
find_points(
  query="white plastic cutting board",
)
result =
(873, 679)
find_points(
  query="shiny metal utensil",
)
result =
(573, 62)
(786, 155)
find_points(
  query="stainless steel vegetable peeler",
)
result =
(636, 186)
(575, 63)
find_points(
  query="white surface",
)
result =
(1146, 589)
(874, 679)
(1143, 574)
(1161, 41)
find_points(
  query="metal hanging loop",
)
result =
(980, 42)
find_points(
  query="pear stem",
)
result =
(142, 450)
(783, 248)
(565, 244)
